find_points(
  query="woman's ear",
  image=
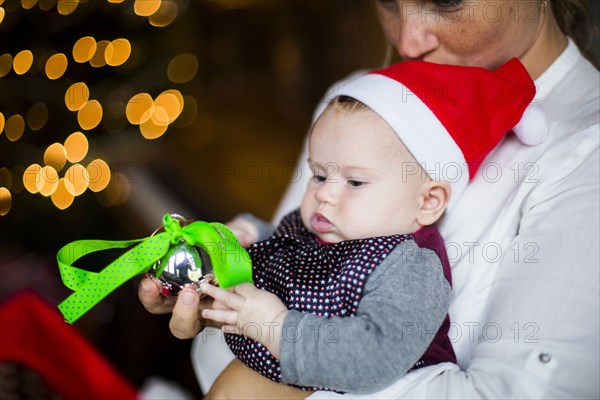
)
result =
(434, 199)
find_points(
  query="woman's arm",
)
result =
(240, 382)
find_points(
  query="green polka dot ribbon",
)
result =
(230, 261)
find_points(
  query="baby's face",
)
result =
(361, 187)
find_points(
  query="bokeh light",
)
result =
(44, 133)
(145, 8)
(56, 66)
(99, 58)
(90, 115)
(46, 180)
(14, 127)
(22, 62)
(37, 116)
(66, 7)
(62, 197)
(30, 178)
(139, 108)
(175, 93)
(28, 4)
(84, 49)
(77, 96)
(182, 68)
(171, 103)
(55, 156)
(76, 147)
(99, 175)
(5, 201)
(79, 178)
(117, 52)
(160, 117)
(150, 130)
(6, 62)
(165, 15)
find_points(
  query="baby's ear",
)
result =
(434, 199)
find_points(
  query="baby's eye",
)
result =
(355, 183)
(319, 178)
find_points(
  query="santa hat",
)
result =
(450, 117)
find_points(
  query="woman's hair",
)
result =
(575, 20)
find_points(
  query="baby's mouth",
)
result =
(320, 224)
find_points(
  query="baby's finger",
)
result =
(228, 317)
(245, 289)
(231, 329)
(231, 300)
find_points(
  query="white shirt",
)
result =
(523, 242)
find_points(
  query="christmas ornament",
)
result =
(184, 264)
(182, 252)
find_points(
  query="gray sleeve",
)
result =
(405, 302)
(265, 229)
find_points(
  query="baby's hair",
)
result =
(348, 103)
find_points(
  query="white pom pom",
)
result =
(533, 127)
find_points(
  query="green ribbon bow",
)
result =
(230, 261)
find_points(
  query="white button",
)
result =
(545, 358)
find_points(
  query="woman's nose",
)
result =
(414, 38)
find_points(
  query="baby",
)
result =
(352, 290)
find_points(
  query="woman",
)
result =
(523, 241)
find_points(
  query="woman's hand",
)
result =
(248, 311)
(186, 321)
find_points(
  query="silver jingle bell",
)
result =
(183, 264)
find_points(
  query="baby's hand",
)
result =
(245, 231)
(250, 311)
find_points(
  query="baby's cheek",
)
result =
(306, 210)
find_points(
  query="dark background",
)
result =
(263, 66)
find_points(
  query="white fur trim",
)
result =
(532, 129)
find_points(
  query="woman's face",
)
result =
(484, 33)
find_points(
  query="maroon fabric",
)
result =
(34, 334)
(440, 349)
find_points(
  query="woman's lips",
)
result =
(320, 224)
